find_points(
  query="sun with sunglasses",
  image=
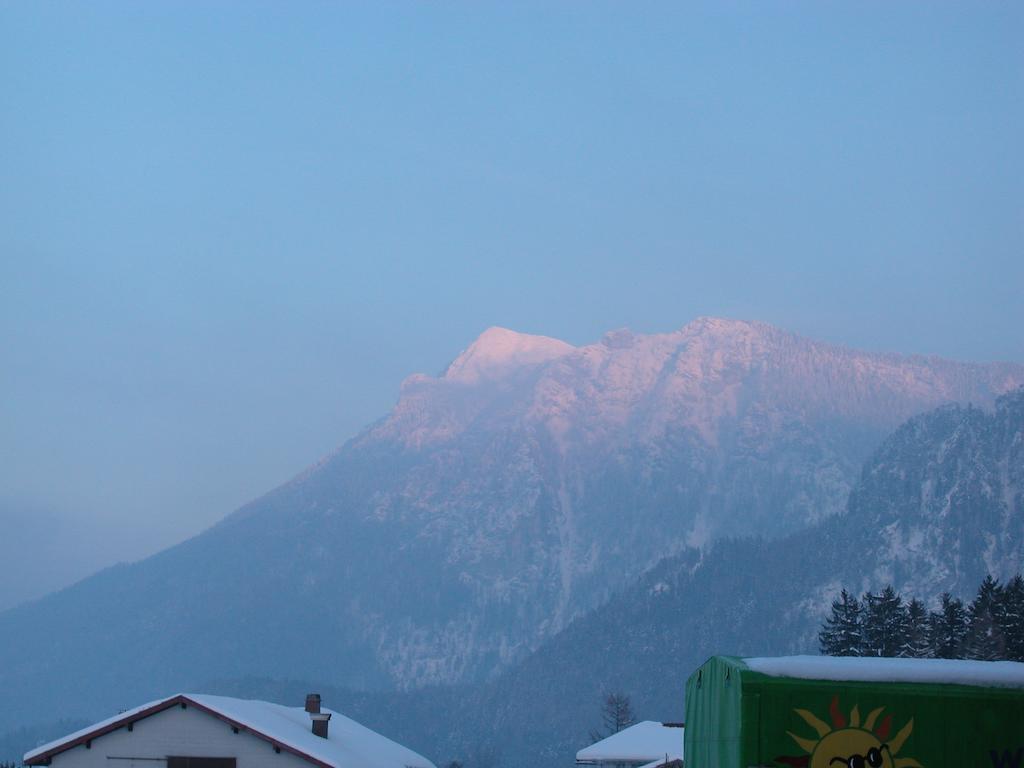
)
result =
(850, 743)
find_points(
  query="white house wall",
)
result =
(176, 731)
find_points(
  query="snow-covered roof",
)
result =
(348, 745)
(1001, 674)
(644, 742)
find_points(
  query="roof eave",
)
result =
(45, 758)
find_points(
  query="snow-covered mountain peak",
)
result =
(744, 337)
(712, 374)
(725, 327)
(498, 350)
(620, 338)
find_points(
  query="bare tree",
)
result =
(616, 714)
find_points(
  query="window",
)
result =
(200, 762)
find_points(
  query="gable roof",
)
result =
(992, 674)
(645, 741)
(286, 728)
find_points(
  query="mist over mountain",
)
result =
(46, 549)
(496, 503)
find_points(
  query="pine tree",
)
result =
(916, 643)
(990, 628)
(1011, 618)
(985, 639)
(871, 634)
(885, 623)
(947, 628)
(841, 634)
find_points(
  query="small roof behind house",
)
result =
(644, 742)
(349, 744)
(992, 674)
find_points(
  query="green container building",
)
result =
(826, 712)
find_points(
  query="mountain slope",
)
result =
(950, 481)
(947, 494)
(492, 506)
(740, 596)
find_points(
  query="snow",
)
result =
(498, 350)
(999, 674)
(646, 741)
(350, 745)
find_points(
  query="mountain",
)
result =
(496, 503)
(938, 506)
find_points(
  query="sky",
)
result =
(229, 230)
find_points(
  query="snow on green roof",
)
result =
(989, 674)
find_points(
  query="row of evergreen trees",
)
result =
(991, 628)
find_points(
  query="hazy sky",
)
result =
(229, 230)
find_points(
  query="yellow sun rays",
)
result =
(869, 724)
(897, 742)
(807, 745)
(812, 720)
(823, 729)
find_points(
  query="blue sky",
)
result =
(229, 230)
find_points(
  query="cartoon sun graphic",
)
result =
(850, 743)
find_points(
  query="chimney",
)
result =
(320, 719)
(320, 723)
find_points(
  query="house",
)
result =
(646, 744)
(192, 730)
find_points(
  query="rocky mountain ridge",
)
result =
(637, 387)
